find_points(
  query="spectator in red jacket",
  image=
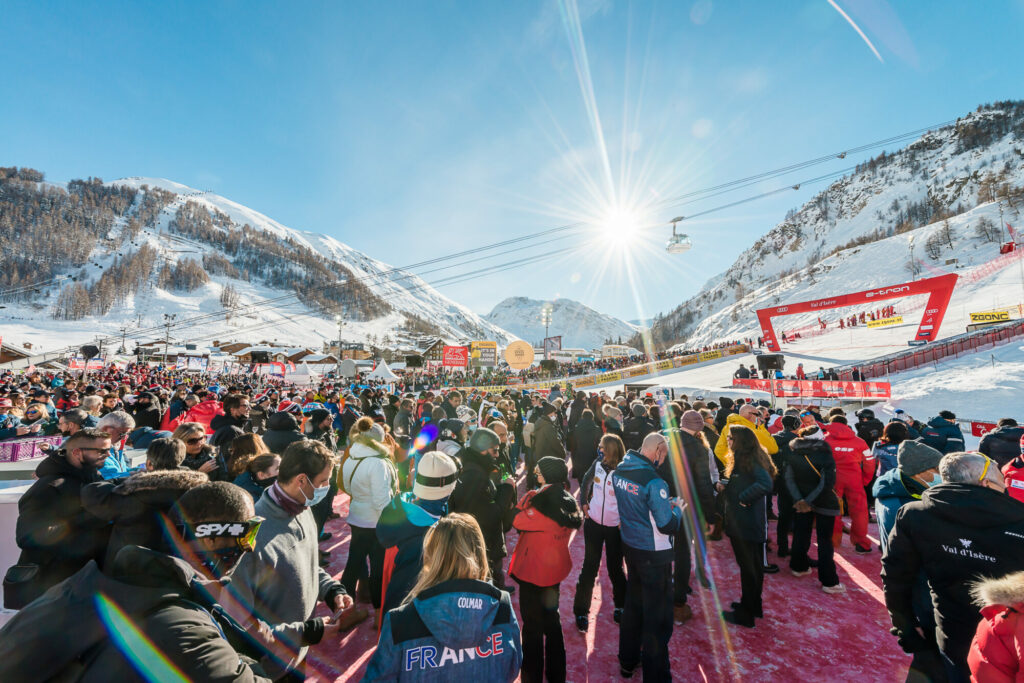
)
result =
(1013, 474)
(204, 412)
(998, 645)
(855, 467)
(540, 562)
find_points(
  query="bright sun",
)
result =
(619, 228)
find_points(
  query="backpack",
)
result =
(528, 434)
(352, 477)
(340, 481)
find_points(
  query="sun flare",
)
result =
(619, 228)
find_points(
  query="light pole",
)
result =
(545, 317)
(168, 319)
(337, 369)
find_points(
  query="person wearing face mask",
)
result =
(281, 581)
(917, 470)
(166, 599)
(260, 474)
(57, 536)
(962, 530)
(371, 479)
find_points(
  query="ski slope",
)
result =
(289, 321)
(985, 385)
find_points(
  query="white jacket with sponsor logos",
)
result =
(598, 491)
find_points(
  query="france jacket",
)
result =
(647, 519)
(457, 630)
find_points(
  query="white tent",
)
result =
(383, 372)
(303, 376)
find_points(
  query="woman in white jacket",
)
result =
(371, 480)
(601, 528)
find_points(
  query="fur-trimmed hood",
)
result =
(365, 447)
(178, 480)
(1006, 590)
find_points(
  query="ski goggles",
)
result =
(244, 533)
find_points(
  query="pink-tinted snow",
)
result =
(805, 634)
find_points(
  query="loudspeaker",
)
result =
(89, 351)
(771, 361)
(260, 356)
(414, 361)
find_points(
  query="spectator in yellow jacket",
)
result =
(748, 416)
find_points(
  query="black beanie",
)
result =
(790, 422)
(554, 469)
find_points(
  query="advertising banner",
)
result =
(455, 356)
(939, 290)
(181, 363)
(981, 428)
(80, 364)
(885, 322)
(526, 359)
(197, 363)
(552, 344)
(795, 388)
(484, 354)
(272, 369)
(990, 317)
(519, 355)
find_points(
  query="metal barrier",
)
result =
(969, 342)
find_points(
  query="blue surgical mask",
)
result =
(318, 495)
(936, 480)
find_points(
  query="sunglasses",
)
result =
(244, 533)
(984, 471)
(194, 440)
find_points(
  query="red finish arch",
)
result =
(939, 290)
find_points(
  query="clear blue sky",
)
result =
(414, 129)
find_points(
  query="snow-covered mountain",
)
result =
(580, 326)
(900, 215)
(248, 277)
